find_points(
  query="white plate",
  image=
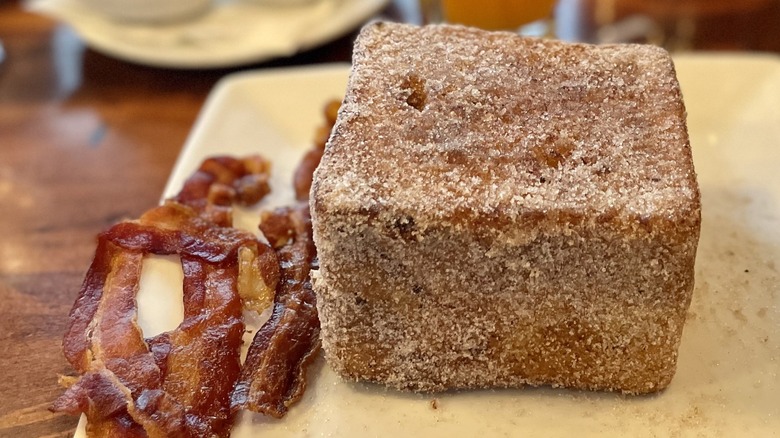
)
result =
(727, 383)
(234, 32)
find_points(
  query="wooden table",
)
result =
(85, 140)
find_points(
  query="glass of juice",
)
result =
(521, 15)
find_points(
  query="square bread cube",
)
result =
(499, 211)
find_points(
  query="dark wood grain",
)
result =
(85, 140)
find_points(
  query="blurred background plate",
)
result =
(232, 33)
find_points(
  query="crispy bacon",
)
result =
(222, 181)
(302, 178)
(179, 382)
(171, 234)
(104, 403)
(273, 375)
(188, 382)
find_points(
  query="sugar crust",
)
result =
(494, 210)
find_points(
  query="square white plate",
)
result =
(727, 382)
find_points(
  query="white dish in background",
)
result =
(149, 11)
(233, 32)
(727, 382)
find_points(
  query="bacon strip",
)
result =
(273, 375)
(177, 383)
(303, 176)
(221, 181)
(106, 409)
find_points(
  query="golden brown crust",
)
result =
(493, 210)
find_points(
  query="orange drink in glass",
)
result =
(488, 14)
(496, 14)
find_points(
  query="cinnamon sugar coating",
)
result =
(495, 211)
